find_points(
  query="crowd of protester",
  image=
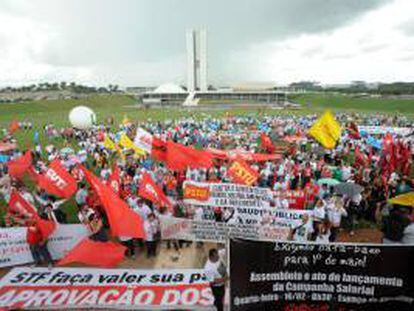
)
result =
(303, 163)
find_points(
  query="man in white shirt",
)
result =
(216, 274)
(302, 233)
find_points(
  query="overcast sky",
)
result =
(142, 42)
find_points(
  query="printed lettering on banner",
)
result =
(40, 288)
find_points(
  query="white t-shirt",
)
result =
(302, 232)
(214, 270)
(319, 212)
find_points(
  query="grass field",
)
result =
(320, 101)
(117, 106)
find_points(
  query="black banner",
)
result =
(291, 277)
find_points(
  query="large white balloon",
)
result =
(82, 117)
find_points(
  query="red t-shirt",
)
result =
(33, 236)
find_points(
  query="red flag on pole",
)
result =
(19, 166)
(19, 205)
(159, 149)
(241, 173)
(114, 179)
(56, 180)
(266, 143)
(360, 158)
(149, 190)
(180, 157)
(353, 131)
(95, 253)
(123, 221)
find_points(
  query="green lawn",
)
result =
(320, 101)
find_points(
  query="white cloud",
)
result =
(22, 41)
(373, 48)
(377, 46)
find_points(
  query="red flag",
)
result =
(180, 157)
(242, 173)
(266, 143)
(353, 131)
(18, 204)
(360, 158)
(94, 253)
(159, 149)
(389, 149)
(149, 190)
(123, 221)
(14, 126)
(114, 179)
(19, 166)
(56, 180)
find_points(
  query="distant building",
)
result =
(196, 60)
(247, 93)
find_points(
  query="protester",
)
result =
(38, 244)
(216, 274)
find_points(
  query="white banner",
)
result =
(143, 140)
(258, 216)
(382, 130)
(224, 194)
(14, 249)
(40, 288)
(212, 231)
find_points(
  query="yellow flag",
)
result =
(406, 199)
(125, 142)
(109, 144)
(326, 130)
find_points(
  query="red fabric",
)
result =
(33, 235)
(123, 221)
(19, 166)
(114, 180)
(40, 231)
(180, 157)
(150, 191)
(19, 205)
(389, 154)
(14, 126)
(56, 180)
(159, 149)
(46, 227)
(241, 173)
(360, 158)
(266, 143)
(353, 131)
(94, 253)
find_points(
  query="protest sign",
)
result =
(40, 288)
(220, 194)
(143, 140)
(296, 198)
(258, 215)
(287, 276)
(242, 173)
(212, 231)
(14, 249)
